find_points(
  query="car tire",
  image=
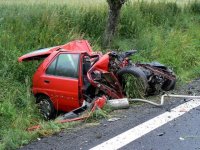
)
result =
(136, 90)
(46, 107)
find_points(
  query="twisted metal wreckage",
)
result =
(73, 78)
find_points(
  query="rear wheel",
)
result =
(133, 81)
(46, 107)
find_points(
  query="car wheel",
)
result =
(133, 81)
(46, 107)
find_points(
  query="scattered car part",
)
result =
(122, 103)
(162, 99)
(159, 77)
(100, 102)
(113, 119)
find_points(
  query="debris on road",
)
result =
(189, 137)
(161, 134)
(122, 103)
(100, 102)
(113, 119)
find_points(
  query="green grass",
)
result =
(165, 32)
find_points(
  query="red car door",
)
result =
(59, 78)
(60, 81)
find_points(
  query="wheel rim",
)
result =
(45, 108)
(134, 86)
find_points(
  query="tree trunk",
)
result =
(113, 18)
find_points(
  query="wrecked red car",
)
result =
(73, 73)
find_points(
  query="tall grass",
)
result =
(161, 31)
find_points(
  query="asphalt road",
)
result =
(180, 134)
(183, 133)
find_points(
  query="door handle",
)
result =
(46, 81)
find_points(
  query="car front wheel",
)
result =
(46, 107)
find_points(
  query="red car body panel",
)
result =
(38, 54)
(62, 91)
(102, 63)
(78, 45)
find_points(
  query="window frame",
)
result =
(57, 57)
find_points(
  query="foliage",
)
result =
(134, 86)
(195, 7)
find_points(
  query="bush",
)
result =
(195, 7)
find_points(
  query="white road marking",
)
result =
(146, 127)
